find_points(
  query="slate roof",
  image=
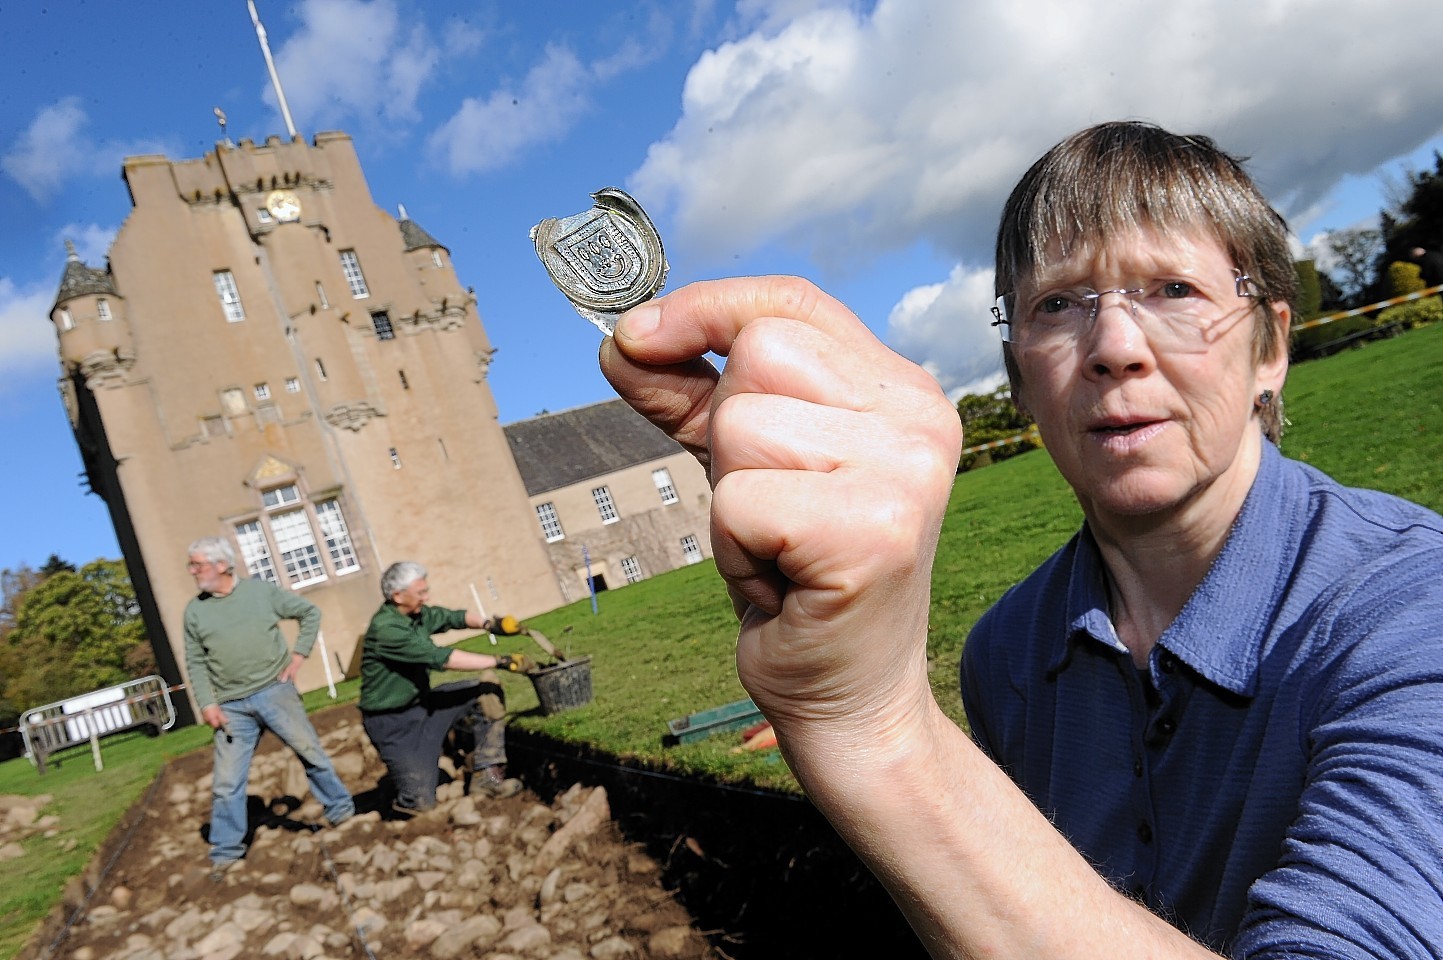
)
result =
(416, 237)
(79, 280)
(559, 449)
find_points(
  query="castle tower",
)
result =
(271, 358)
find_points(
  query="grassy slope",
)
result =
(663, 648)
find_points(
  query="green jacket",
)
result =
(234, 645)
(398, 655)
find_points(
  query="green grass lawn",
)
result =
(663, 648)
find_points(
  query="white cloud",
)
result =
(57, 148)
(846, 132)
(946, 327)
(486, 134)
(52, 150)
(492, 131)
(354, 60)
(27, 337)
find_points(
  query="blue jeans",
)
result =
(410, 740)
(276, 708)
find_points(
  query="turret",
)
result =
(90, 321)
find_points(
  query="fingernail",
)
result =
(640, 322)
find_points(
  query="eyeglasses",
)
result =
(194, 565)
(1173, 314)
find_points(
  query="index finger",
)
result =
(706, 317)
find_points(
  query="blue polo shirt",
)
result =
(1272, 783)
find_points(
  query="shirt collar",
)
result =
(1221, 631)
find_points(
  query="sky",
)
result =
(867, 146)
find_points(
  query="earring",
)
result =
(1265, 398)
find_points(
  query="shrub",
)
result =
(1306, 342)
(1404, 277)
(1415, 313)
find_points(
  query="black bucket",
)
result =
(563, 686)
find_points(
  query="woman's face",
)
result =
(1140, 418)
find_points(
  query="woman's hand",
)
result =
(831, 460)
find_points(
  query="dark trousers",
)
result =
(410, 740)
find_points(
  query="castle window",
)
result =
(354, 278)
(263, 391)
(67, 322)
(232, 401)
(255, 551)
(550, 522)
(102, 309)
(320, 370)
(381, 320)
(662, 479)
(337, 536)
(604, 504)
(281, 496)
(230, 300)
(293, 385)
(690, 549)
(631, 569)
(436, 259)
(395, 458)
(294, 543)
(325, 304)
(263, 215)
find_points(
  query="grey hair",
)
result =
(1115, 177)
(399, 576)
(215, 550)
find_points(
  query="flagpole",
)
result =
(271, 66)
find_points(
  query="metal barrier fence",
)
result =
(71, 722)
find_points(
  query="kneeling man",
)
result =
(406, 719)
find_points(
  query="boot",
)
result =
(492, 782)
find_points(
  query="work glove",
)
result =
(507, 626)
(515, 663)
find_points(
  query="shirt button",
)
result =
(1144, 832)
(1167, 662)
(1167, 726)
(1136, 767)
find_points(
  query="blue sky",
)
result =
(865, 145)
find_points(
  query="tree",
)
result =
(1355, 253)
(73, 632)
(13, 586)
(1310, 290)
(988, 417)
(56, 565)
(1418, 219)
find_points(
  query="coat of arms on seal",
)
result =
(606, 260)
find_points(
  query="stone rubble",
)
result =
(473, 878)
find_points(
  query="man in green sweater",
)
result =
(240, 671)
(406, 719)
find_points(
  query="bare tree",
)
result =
(1355, 253)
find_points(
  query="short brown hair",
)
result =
(1121, 176)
